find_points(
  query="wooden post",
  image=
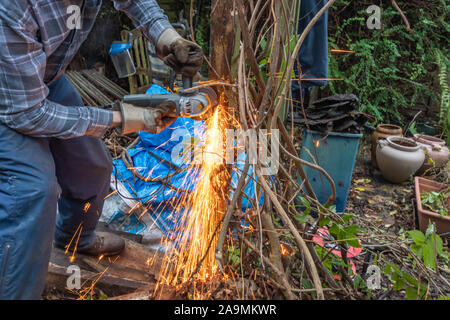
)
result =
(223, 33)
(222, 39)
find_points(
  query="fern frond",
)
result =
(443, 62)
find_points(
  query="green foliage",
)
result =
(234, 256)
(391, 69)
(444, 116)
(427, 247)
(102, 296)
(340, 229)
(404, 281)
(347, 234)
(202, 30)
(436, 201)
(330, 261)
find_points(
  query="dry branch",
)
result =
(298, 239)
(395, 5)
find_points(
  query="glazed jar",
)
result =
(436, 150)
(382, 132)
(399, 158)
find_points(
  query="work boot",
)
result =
(105, 243)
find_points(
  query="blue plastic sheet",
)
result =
(152, 158)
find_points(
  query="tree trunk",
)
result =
(222, 39)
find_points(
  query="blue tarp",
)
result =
(147, 160)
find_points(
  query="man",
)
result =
(51, 155)
(313, 55)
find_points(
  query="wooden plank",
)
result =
(140, 295)
(134, 261)
(137, 60)
(119, 275)
(143, 71)
(131, 79)
(143, 60)
(151, 293)
(57, 277)
(149, 65)
(142, 80)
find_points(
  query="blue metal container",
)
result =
(336, 154)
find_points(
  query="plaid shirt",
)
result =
(37, 43)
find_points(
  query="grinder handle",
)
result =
(151, 100)
(187, 82)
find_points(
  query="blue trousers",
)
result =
(37, 177)
(313, 55)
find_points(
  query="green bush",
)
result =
(392, 69)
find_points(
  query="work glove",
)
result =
(153, 120)
(182, 55)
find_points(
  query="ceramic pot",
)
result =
(425, 215)
(382, 132)
(399, 158)
(436, 150)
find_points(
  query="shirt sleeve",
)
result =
(146, 16)
(23, 93)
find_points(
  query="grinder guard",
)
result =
(196, 104)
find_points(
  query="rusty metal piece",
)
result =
(337, 113)
(86, 98)
(104, 83)
(336, 99)
(94, 88)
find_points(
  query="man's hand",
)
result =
(181, 55)
(153, 120)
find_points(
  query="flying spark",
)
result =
(203, 210)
